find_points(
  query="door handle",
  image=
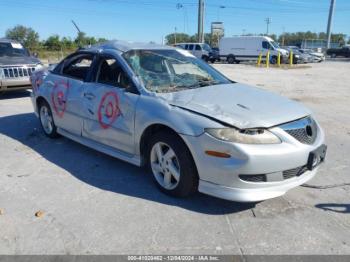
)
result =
(89, 96)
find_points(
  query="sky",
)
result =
(152, 20)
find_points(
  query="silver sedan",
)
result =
(195, 130)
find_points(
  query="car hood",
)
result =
(238, 105)
(18, 60)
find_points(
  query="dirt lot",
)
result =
(94, 204)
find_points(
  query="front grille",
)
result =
(253, 178)
(304, 130)
(298, 171)
(17, 71)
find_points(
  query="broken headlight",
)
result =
(247, 136)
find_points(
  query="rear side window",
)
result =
(186, 47)
(190, 47)
(78, 66)
(198, 47)
(111, 73)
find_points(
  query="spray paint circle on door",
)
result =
(59, 97)
(108, 110)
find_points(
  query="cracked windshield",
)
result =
(164, 71)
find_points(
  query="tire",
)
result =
(184, 181)
(47, 121)
(231, 59)
(205, 58)
(274, 60)
(212, 60)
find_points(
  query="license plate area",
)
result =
(316, 157)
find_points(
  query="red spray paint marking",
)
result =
(59, 96)
(38, 80)
(108, 110)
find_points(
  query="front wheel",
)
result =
(172, 165)
(205, 58)
(46, 120)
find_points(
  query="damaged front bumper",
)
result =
(252, 172)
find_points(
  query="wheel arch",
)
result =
(40, 100)
(148, 132)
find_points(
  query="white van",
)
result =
(236, 49)
(200, 50)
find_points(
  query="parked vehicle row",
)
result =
(249, 48)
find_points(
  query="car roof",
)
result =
(6, 40)
(124, 46)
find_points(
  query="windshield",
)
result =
(12, 49)
(206, 47)
(166, 71)
(274, 44)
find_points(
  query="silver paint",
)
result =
(188, 113)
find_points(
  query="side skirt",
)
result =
(132, 159)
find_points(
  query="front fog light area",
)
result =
(246, 136)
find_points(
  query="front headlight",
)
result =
(247, 136)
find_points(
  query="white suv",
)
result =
(200, 50)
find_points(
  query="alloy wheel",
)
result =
(165, 165)
(46, 119)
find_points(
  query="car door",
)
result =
(109, 105)
(197, 51)
(190, 48)
(67, 88)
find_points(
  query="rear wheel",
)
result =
(46, 120)
(231, 59)
(274, 60)
(172, 165)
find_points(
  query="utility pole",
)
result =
(329, 25)
(200, 21)
(75, 25)
(268, 22)
(175, 34)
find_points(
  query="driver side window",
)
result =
(109, 72)
(266, 45)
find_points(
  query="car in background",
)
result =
(215, 55)
(199, 50)
(248, 48)
(318, 57)
(299, 57)
(161, 107)
(336, 52)
(16, 66)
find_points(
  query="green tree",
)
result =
(102, 40)
(80, 40)
(53, 43)
(180, 38)
(25, 35)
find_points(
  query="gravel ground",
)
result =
(94, 204)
